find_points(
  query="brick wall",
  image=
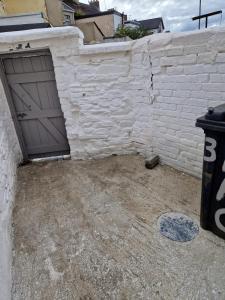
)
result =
(188, 77)
(104, 95)
(152, 90)
(138, 96)
(10, 155)
(100, 117)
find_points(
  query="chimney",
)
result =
(95, 3)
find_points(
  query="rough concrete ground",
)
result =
(88, 230)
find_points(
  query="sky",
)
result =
(176, 14)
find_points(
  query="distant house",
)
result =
(106, 22)
(68, 14)
(95, 24)
(82, 9)
(22, 22)
(1, 9)
(155, 25)
(52, 11)
(55, 12)
(132, 24)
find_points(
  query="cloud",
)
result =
(177, 14)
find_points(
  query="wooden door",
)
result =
(31, 81)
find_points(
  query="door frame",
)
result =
(8, 93)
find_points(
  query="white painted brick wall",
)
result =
(188, 82)
(105, 95)
(139, 96)
(130, 97)
(10, 155)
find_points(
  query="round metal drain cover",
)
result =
(178, 227)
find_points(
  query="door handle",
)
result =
(21, 115)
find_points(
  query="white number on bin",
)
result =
(211, 148)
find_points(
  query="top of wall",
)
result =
(40, 34)
(213, 37)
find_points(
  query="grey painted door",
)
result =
(31, 80)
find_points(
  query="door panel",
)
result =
(31, 80)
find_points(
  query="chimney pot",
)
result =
(95, 3)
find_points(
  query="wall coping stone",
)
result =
(106, 48)
(155, 41)
(40, 34)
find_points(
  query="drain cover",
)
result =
(178, 227)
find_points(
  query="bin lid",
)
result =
(214, 119)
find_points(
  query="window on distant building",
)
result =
(67, 19)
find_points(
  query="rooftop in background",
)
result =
(92, 9)
(86, 9)
(155, 25)
(101, 13)
(151, 24)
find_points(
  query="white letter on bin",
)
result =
(219, 197)
(221, 193)
(218, 214)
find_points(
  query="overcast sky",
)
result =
(176, 14)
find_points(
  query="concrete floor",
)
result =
(88, 230)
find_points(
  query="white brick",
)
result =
(181, 94)
(179, 86)
(165, 93)
(195, 49)
(184, 78)
(220, 58)
(188, 142)
(175, 70)
(217, 78)
(165, 106)
(200, 69)
(213, 87)
(157, 53)
(178, 60)
(206, 58)
(174, 51)
(221, 68)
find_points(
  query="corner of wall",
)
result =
(10, 156)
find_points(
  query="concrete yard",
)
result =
(88, 230)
